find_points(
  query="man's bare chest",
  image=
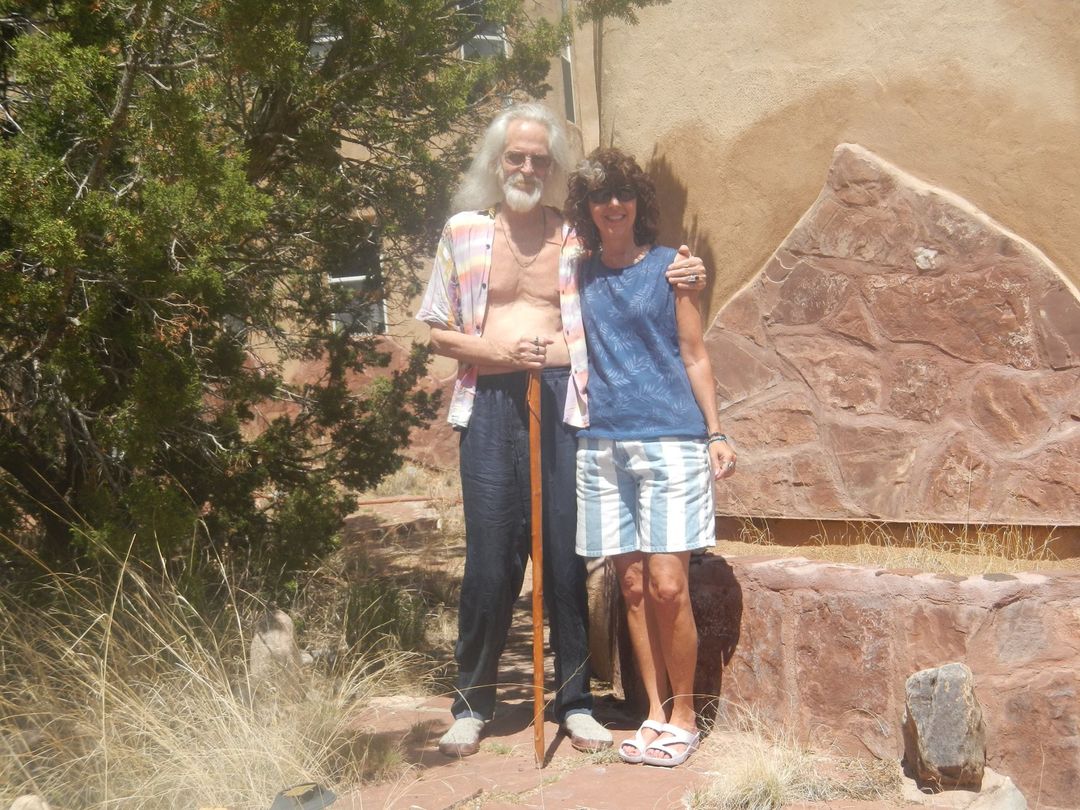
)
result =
(515, 282)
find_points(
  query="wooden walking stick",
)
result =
(533, 396)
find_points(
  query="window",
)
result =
(568, 83)
(487, 39)
(366, 310)
(567, 76)
(359, 287)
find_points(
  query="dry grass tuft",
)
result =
(417, 479)
(940, 549)
(931, 547)
(441, 488)
(758, 767)
(120, 693)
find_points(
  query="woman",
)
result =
(647, 460)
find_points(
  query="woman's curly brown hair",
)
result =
(611, 169)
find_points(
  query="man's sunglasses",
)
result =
(518, 159)
(599, 196)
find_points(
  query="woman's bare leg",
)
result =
(630, 568)
(667, 601)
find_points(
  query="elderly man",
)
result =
(502, 301)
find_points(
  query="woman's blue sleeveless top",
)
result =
(638, 387)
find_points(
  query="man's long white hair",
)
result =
(481, 187)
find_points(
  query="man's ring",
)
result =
(729, 463)
(536, 340)
(693, 278)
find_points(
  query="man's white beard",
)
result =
(519, 199)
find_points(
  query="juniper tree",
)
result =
(177, 179)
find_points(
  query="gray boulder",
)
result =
(944, 735)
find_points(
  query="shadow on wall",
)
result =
(718, 607)
(671, 193)
(738, 197)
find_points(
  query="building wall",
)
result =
(737, 107)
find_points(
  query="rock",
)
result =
(919, 388)
(604, 607)
(807, 294)
(944, 736)
(30, 802)
(898, 310)
(997, 793)
(611, 657)
(840, 375)
(1059, 326)
(824, 650)
(275, 665)
(1004, 796)
(741, 369)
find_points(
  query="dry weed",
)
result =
(943, 549)
(756, 766)
(417, 479)
(441, 488)
(931, 547)
(122, 694)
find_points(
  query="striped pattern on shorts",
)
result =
(654, 496)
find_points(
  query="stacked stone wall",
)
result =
(825, 649)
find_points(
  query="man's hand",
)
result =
(526, 352)
(686, 272)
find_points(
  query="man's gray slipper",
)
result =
(586, 734)
(462, 739)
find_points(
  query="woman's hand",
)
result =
(721, 460)
(686, 272)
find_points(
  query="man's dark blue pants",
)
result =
(496, 498)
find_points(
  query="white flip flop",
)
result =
(639, 743)
(679, 736)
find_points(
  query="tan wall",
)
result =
(584, 48)
(737, 108)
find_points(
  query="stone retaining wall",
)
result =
(825, 648)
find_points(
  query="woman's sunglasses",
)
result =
(599, 196)
(518, 159)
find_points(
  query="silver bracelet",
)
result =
(715, 437)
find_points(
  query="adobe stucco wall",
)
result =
(738, 106)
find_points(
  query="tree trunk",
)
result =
(39, 489)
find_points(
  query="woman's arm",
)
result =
(699, 370)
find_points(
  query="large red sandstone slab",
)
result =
(826, 648)
(901, 357)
